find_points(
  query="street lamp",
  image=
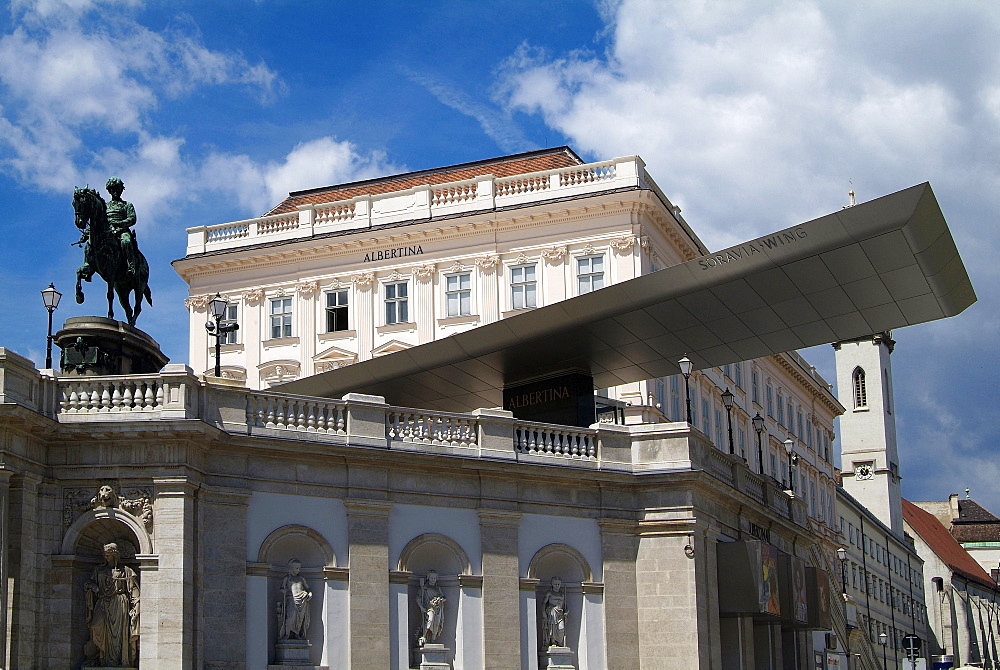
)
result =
(50, 298)
(882, 639)
(842, 557)
(792, 458)
(217, 309)
(686, 366)
(758, 425)
(727, 400)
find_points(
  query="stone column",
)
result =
(23, 588)
(677, 589)
(368, 534)
(174, 530)
(501, 601)
(5, 475)
(619, 547)
(423, 295)
(221, 580)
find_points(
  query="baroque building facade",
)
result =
(258, 527)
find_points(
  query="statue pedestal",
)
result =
(293, 655)
(434, 656)
(93, 345)
(557, 658)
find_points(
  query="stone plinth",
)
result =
(557, 658)
(293, 655)
(434, 656)
(92, 345)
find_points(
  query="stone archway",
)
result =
(82, 552)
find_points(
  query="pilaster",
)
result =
(619, 548)
(501, 594)
(221, 579)
(23, 585)
(368, 534)
(174, 530)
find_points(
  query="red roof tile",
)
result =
(504, 166)
(944, 545)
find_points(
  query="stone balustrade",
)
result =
(422, 202)
(365, 421)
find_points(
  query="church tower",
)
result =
(868, 455)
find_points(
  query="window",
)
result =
(738, 368)
(675, 399)
(589, 274)
(281, 317)
(755, 383)
(522, 287)
(458, 294)
(790, 422)
(743, 440)
(728, 370)
(706, 419)
(770, 399)
(860, 392)
(799, 416)
(718, 431)
(809, 433)
(229, 317)
(781, 406)
(774, 463)
(397, 303)
(336, 311)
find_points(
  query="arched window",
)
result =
(860, 393)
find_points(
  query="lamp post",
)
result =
(792, 458)
(686, 366)
(882, 639)
(217, 309)
(727, 400)
(50, 298)
(758, 425)
(842, 557)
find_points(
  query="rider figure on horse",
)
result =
(121, 218)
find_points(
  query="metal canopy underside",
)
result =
(873, 267)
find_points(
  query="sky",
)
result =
(751, 116)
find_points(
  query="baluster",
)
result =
(160, 394)
(300, 419)
(311, 417)
(127, 396)
(281, 412)
(341, 421)
(147, 397)
(116, 398)
(105, 399)
(73, 401)
(269, 422)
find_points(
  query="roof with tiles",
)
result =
(975, 523)
(944, 545)
(504, 166)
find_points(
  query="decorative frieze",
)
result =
(487, 262)
(307, 288)
(624, 244)
(253, 296)
(425, 271)
(363, 279)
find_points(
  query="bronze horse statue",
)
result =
(103, 254)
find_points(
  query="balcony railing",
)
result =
(361, 421)
(422, 202)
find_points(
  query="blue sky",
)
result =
(751, 116)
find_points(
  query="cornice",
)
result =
(366, 239)
(823, 394)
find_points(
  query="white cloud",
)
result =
(315, 163)
(735, 108)
(68, 71)
(754, 116)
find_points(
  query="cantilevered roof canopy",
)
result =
(877, 266)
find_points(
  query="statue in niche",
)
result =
(554, 621)
(112, 613)
(293, 608)
(431, 602)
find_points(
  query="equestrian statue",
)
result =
(110, 249)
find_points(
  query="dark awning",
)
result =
(873, 267)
